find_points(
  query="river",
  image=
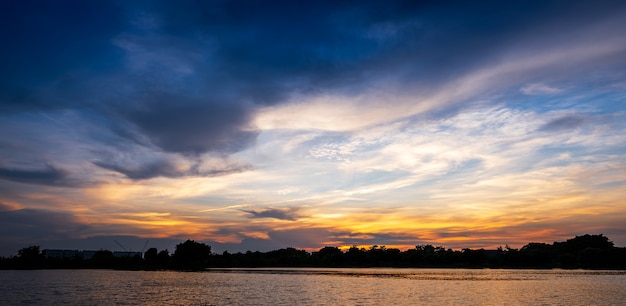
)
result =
(314, 287)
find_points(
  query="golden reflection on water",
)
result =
(314, 287)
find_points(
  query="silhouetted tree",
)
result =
(151, 257)
(288, 257)
(163, 259)
(587, 251)
(537, 255)
(579, 243)
(567, 261)
(191, 255)
(355, 257)
(103, 259)
(328, 256)
(30, 258)
(474, 258)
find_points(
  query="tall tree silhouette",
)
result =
(30, 258)
(192, 255)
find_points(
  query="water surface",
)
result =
(314, 287)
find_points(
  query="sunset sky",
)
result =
(258, 125)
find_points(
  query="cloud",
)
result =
(537, 89)
(388, 98)
(289, 214)
(200, 77)
(7, 207)
(180, 125)
(189, 78)
(50, 41)
(562, 123)
(146, 171)
(50, 176)
(169, 169)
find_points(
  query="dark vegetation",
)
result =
(586, 252)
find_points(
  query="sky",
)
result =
(259, 125)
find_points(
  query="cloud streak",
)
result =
(168, 169)
(540, 89)
(562, 123)
(288, 214)
(49, 175)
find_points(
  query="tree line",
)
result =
(586, 252)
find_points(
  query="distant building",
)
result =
(126, 254)
(85, 254)
(61, 254)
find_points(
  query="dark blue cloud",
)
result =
(324, 45)
(176, 125)
(147, 171)
(562, 123)
(45, 40)
(49, 175)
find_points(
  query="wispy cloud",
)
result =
(289, 214)
(539, 89)
(563, 123)
(167, 168)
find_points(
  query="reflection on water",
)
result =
(313, 287)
